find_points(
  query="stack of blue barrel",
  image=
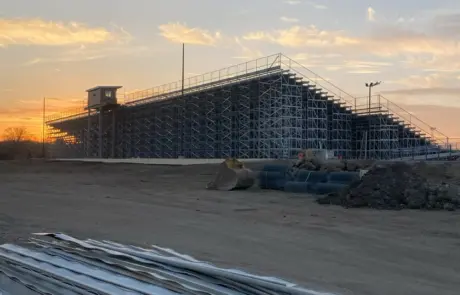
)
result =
(282, 177)
(274, 176)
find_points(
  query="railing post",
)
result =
(448, 146)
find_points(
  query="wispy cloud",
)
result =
(246, 52)
(358, 67)
(447, 24)
(292, 2)
(419, 49)
(405, 20)
(445, 91)
(84, 53)
(366, 64)
(311, 3)
(41, 32)
(363, 72)
(364, 67)
(308, 56)
(316, 5)
(289, 19)
(298, 36)
(181, 33)
(433, 80)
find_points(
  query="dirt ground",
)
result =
(354, 251)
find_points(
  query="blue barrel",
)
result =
(311, 176)
(298, 187)
(276, 168)
(343, 177)
(327, 188)
(272, 180)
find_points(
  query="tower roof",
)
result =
(103, 87)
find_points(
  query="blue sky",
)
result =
(59, 48)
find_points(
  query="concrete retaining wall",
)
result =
(156, 161)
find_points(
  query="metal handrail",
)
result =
(198, 88)
(257, 65)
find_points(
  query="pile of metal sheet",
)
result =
(61, 264)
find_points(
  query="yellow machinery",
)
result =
(232, 175)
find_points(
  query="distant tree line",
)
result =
(17, 143)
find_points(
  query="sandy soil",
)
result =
(271, 233)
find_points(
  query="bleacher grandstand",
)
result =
(268, 108)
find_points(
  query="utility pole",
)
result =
(183, 68)
(370, 85)
(43, 128)
(181, 134)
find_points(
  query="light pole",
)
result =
(183, 68)
(43, 127)
(370, 85)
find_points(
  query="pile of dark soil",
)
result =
(401, 185)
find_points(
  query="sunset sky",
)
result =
(60, 48)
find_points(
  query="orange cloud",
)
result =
(83, 53)
(300, 36)
(417, 81)
(180, 33)
(289, 19)
(435, 50)
(41, 32)
(29, 113)
(388, 41)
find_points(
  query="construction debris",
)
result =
(316, 160)
(398, 186)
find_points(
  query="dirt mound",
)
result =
(402, 185)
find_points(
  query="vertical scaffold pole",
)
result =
(100, 133)
(181, 143)
(114, 132)
(88, 135)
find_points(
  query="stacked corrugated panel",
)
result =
(61, 264)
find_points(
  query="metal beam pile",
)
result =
(61, 264)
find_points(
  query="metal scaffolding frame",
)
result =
(339, 129)
(245, 132)
(376, 135)
(316, 118)
(382, 137)
(267, 108)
